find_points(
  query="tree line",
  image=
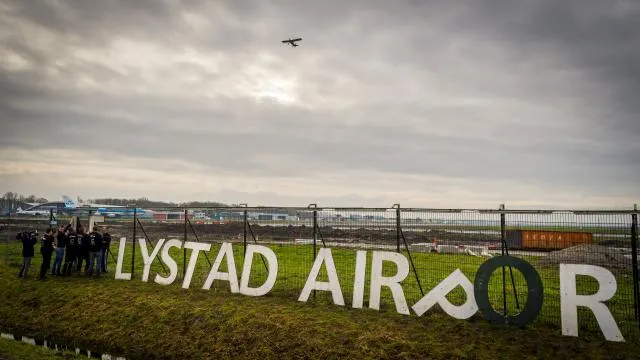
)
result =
(144, 202)
(12, 200)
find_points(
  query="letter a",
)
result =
(333, 285)
(230, 275)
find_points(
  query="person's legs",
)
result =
(98, 262)
(65, 265)
(46, 263)
(27, 262)
(24, 260)
(85, 256)
(91, 262)
(61, 262)
(69, 260)
(23, 268)
(55, 270)
(103, 255)
(43, 266)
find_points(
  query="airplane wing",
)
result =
(291, 40)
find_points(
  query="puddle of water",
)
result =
(57, 347)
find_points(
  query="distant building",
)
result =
(271, 216)
(43, 209)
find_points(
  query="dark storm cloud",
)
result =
(540, 92)
(600, 37)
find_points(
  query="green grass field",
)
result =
(295, 262)
(138, 319)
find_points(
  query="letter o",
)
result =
(534, 287)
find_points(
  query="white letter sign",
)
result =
(230, 275)
(358, 279)
(569, 300)
(167, 259)
(393, 282)
(195, 247)
(119, 274)
(272, 263)
(438, 295)
(333, 285)
(146, 258)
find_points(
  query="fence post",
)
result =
(503, 246)
(133, 243)
(315, 232)
(244, 252)
(6, 255)
(634, 262)
(397, 207)
(315, 235)
(184, 249)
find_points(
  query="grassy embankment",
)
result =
(139, 320)
(16, 350)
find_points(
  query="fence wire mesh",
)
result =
(435, 243)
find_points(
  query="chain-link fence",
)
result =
(205, 248)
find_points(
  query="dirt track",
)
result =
(234, 231)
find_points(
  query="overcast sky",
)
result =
(423, 103)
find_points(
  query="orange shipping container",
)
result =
(536, 239)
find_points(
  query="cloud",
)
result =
(466, 104)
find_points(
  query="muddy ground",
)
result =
(234, 231)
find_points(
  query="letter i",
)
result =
(359, 278)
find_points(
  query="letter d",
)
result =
(272, 262)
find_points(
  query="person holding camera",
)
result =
(46, 250)
(29, 240)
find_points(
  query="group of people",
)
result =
(71, 249)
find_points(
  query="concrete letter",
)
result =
(272, 262)
(393, 282)
(359, 279)
(569, 300)
(168, 260)
(146, 258)
(332, 285)
(196, 247)
(119, 274)
(438, 296)
(230, 275)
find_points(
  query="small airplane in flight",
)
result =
(292, 41)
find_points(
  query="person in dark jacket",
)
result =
(70, 252)
(106, 248)
(46, 250)
(95, 239)
(83, 250)
(61, 243)
(29, 240)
